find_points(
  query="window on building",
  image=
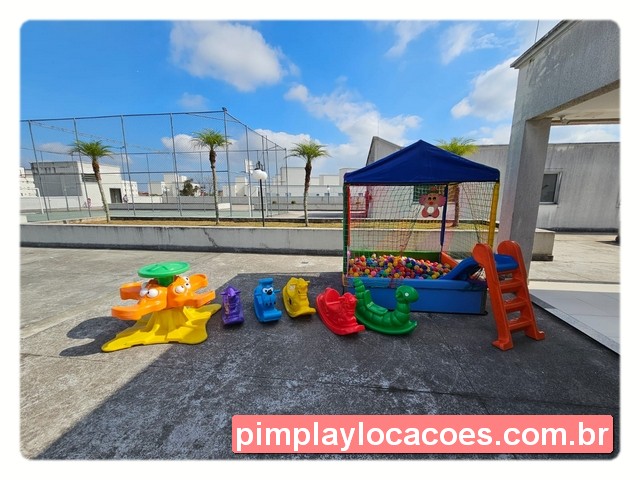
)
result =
(89, 178)
(550, 187)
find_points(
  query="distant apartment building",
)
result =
(289, 182)
(171, 185)
(76, 180)
(27, 185)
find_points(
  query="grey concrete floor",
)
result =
(581, 285)
(176, 401)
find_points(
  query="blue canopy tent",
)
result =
(386, 211)
(422, 163)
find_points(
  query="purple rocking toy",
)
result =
(231, 306)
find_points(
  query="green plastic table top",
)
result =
(163, 272)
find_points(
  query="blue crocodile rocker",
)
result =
(264, 301)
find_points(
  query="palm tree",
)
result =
(460, 146)
(309, 151)
(95, 151)
(211, 139)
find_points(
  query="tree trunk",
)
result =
(456, 212)
(212, 161)
(105, 206)
(307, 180)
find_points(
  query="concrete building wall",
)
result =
(576, 62)
(76, 179)
(579, 62)
(313, 241)
(588, 195)
(380, 148)
(329, 180)
(589, 190)
(295, 176)
(157, 188)
(342, 172)
(27, 185)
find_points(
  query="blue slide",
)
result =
(468, 267)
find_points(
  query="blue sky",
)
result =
(338, 82)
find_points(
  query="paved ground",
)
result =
(582, 285)
(176, 401)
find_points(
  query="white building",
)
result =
(27, 185)
(130, 189)
(291, 180)
(158, 188)
(76, 180)
(170, 185)
(288, 183)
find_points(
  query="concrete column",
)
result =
(523, 183)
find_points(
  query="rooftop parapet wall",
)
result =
(269, 240)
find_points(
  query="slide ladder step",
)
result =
(505, 274)
(510, 285)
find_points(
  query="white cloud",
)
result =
(456, 40)
(284, 139)
(182, 142)
(462, 108)
(298, 92)
(463, 38)
(501, 134)
(358, 120)
(584, 133)
(497, 135)
(54, 147)
(405, 32)
(338, 154)
(231, 52)
(192, 101)
(493, 91)
(493, 94)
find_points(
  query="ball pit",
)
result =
(390, 266)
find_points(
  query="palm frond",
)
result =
(459, 145)
(93, 150)
(209, 138)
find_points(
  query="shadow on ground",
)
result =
(100, 330)
(181, 405)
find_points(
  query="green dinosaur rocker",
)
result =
(375, 317)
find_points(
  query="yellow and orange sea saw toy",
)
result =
(169, 307)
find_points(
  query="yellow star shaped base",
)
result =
(174, 325)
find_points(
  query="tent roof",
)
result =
(421, 163)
